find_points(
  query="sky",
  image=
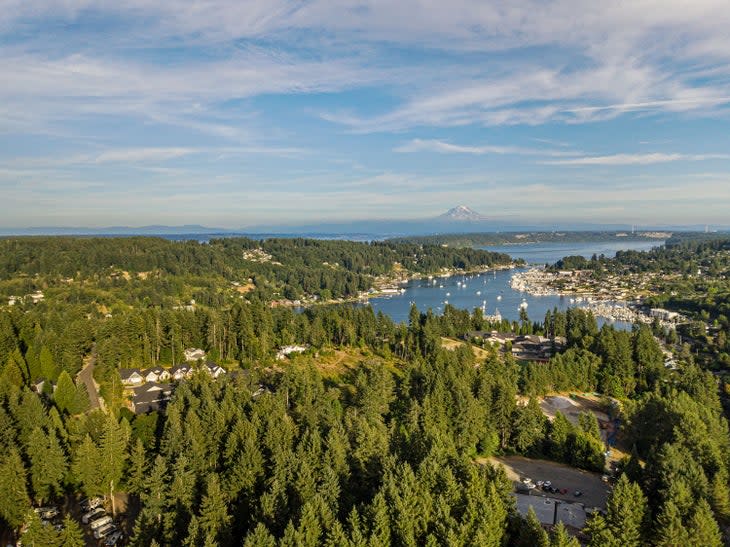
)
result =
(240, 113)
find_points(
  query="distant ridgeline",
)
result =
(504, 238)
(682, 254)
(155, 268)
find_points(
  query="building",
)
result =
(131, 376)
(181, 372)
(150, 396)
(156, 374)
(194, 354)
(664, 315)
(213, 369)
(287, 350)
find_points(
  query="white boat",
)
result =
(448, 294)
(499, 297)
(479, 293)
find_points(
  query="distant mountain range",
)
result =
(459, 219)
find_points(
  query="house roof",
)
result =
(127, 373)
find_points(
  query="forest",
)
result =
(386, 450)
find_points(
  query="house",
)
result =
(150, 396)
(287, 350)
(194, 354)
(131, 376)
(181, 372)
(213, 369)
(36, 297)
(155, 374)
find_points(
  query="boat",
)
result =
(479, 293)
(448, 294)
(499, 297)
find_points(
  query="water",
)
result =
(550, 253)
(494, 287)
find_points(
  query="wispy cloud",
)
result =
(636, 159)
(442, 147)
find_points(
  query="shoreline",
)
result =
(610, 300)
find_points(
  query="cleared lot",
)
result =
(594, 491)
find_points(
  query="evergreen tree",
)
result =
(38, 533)
(213, 520)
(48, 464)
(14, 500)
(113, 455)
(531, 533)
(71, 535)
(670, 530)
(65, 394)
(703, 529)
(560, 537)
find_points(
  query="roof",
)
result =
(127, 373)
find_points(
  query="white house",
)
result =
(131, 376)
(194, 354)
(287, 350)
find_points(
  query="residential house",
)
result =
(155, 374)
(181, 372)
(194, 354)
(150, 396)
(287, 350)
(213, 369)
(131, 376)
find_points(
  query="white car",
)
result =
(101, 522)
(94, 513)
(104, 530)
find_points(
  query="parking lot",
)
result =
(594, 492)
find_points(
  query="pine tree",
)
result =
(14, 500)
(531, 533)
(38, 533)
(65, 394)
(703, 528)
(670, 530)
(214, 519)
(48, 464)
(113, 454)
(720, 495)
(49, 371)
(87, 468)
(625, 514)
(136, 476)
(260, 537)
(560, 537)
(71, 535)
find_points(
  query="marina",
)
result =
(499, 297)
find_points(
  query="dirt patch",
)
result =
(243, 289)
(594, 491)
(452, 344)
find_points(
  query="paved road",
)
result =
(86, 376)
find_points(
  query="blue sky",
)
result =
(234, 114)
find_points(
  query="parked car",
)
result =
(93, 513)
(563, 491)
(101, 522)
(105, 530)
(92, 503)
(578, 493)
(46, 513)
(113, 538)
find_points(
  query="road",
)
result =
(86, 376)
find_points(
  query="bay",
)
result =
(491, 291)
